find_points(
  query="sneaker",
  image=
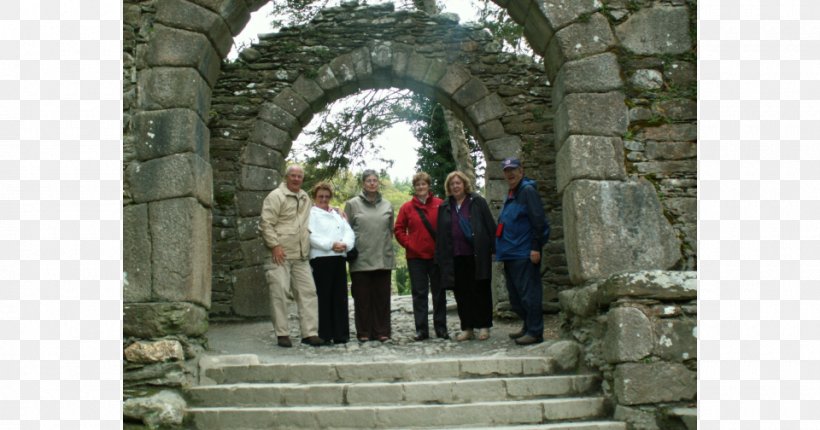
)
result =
(465, 335)
(528, 340)
(284, 341)
(313, 341)
(517, 334)
(483, 333)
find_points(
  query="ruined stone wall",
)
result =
(275, 64)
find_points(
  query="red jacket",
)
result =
(410, 230)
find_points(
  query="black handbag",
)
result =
(352, 255)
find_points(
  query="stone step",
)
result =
(419, 392)
(584, 425)
(385, 416)
(410, 370)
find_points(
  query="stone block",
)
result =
(636, 384)
(281, 119)
(327, 81)
(417, 67)
(537, 29)
(263, 156)
(247, 228)
(271, 136)
(676, 339)
(453, 79)
(344, 70)
(596, 114)
(670, 150)
(638, 419)
(669, 132)
(646, 79)
(254, 252)
(501, 148)
(188, 16)
(166, 132)
(295, 105)
(565, 355)
(595, 74)
(170, 47)
(250, 292)
(680, 73)
(581, 301)
(181, 251)
(428, 392)
(589, 157)
(136, 252)
(650, 284)
(309, 90)
(657, 30)
(469, 93)
(560, 13)
(519, 10)
(486, 109)
(258, 178)
(491, 130)
(684, 208)
(154, 352)
(612, 227)
(478, 390)
(667, 167)
(628, 335)
(173, 87)
(368, 394)
(435, 72)
(400, 60)
(236, 13)
(381, 56)
(576, 41)
(249, 203)
(179, 175)
(164, 409)
(361, 64)
(154, 320)
(677, 109)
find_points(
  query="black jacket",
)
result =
(483, 226)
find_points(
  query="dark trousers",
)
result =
(371, 301)
(424, 280)
(474, 297)
(524, 287)
(330, 277)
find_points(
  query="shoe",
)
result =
(483, 333)
(528, 340)
(284, 341)
(442, 334)
(517, 334)
(421, 336)
(313, 341)
(465, 335)
(363, 339)
(383, 339)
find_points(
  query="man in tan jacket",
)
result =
(284, 227)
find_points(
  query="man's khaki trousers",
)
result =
(293, 277)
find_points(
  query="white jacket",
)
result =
(327, 228)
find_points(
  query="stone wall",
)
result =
(640, 330)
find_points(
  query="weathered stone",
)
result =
(381, 55)
(254, 252)
(657, 30)
(680, 73)
(455, 77)
(361, 64)
(628, 335)
(640, 113)
(637, 384)
(501, 148)
(537, 29)
(666, 167)
(166, 408)
(235, 12)
(486, 109)
(154, 320)
(249, 55)
(612, 227)
(646, 79)
(309, 90)
(491, 130)
(251, 297)
(171, 131)
(263, 156)
(519, 10)
(173, 87)
(258, 178)
(670, 150)
(271, 136)
(179, 175)
(181, 251)
(676, 109)
(580, 301)
(295, 105)
(435, 72)
(595, 74)
(589, 157)
(181, 48)
(188, 16)
(676, 340)
(249, 203)
(576, 41)
(344, 70)
(470, 92)
(684, 208)
(281, 119)
(247, 228)
(591, 114)
(649, 284)
(154, 352)
(328, 82)
(636, 418)
(136, 253)
(559, 13)
(417, 67)
(565, 354)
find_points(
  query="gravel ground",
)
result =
(257, 337)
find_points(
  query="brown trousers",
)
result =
(371, 303)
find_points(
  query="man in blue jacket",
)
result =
(522, 231)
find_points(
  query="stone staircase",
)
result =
(512, 392)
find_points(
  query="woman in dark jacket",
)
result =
(465, 244)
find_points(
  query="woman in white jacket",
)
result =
(330, 239)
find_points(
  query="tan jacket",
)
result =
(285, 222)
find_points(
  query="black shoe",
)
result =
(313, 341)
(284, 341)
(528, 340)
(518, 334)
(442, 334)
(421, 336)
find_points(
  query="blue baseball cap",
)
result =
(510, 163)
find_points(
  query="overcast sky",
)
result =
(399, 142)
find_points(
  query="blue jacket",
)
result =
(522, 222)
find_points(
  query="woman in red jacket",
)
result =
(415, 230)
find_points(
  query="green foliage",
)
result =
(403, 280)
(502, 26)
